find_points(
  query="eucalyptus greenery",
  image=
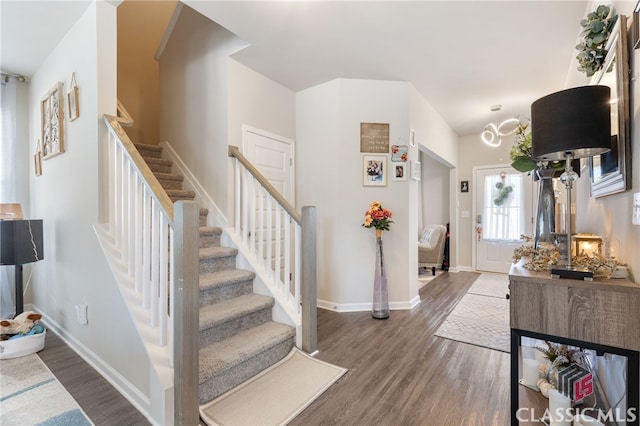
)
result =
(592, 49)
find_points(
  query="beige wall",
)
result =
(141, 25)
(472, 152)
(610, 216)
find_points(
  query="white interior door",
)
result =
(272, 155)
(503, 210)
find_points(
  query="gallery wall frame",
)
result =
(374, 170)
(73, 105)
(399, 172)
(52, 122)
(374, 138)
(416, 170)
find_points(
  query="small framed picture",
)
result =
(416, 170)
(374, 170)
(72, 99)
(399, 153)
(464, 186)
(37, 163)
(399, 172)
(635, 26)
(412, 137)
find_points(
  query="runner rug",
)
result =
(481, 317)
(276, 395)
(31, 395)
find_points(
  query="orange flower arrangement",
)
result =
(377, 217)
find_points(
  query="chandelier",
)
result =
(492, 133)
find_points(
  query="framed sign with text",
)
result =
(374, 137)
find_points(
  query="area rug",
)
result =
(31, 395)
(274, 396)
(481, 317)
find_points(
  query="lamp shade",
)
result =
(20, 241)
(576, 121)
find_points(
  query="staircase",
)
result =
(237, 336)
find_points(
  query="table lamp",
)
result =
(572, 123)
(20, 243)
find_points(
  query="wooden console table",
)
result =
(602, 315)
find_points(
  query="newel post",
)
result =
(185, 312)
(308, 280)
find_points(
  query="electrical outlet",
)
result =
(635, 219)
(81, 314)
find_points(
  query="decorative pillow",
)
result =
(425, 235)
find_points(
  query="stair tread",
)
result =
(169, 176)
(213, 252)
(162, 161)
(210, 230)
(225, 277)
(148, 147)
(224, 355)
(179, 192)
(220, 313)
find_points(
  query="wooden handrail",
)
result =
(157, 191)
(234, 151)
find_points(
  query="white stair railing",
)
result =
(281, 242)
(158, 255)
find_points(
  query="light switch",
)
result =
(636, 209)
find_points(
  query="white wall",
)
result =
(329, 176)
(435, 137)
(66, 197)
(258, 102)
(193, 98)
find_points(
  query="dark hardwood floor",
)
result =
(101, 402)
(399, 372)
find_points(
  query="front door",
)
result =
(503, 213)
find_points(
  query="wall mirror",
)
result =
(611, 172)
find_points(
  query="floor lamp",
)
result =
(572, 123)
(20, 243)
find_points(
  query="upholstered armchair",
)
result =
(431, 247)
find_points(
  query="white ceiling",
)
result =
(463, 56)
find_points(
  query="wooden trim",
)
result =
(158, 192)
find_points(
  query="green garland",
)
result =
(503, 195)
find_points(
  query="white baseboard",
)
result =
(363, 307)
(461, 269)
(140, 401)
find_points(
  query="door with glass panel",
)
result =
(503, 212)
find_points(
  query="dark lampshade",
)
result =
(576, 121)
(20, 241)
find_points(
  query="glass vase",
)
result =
(380, 290)
(546, 209)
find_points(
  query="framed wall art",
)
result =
(399, 172)
(72, 99)
(399, 153)
(416, 170)
(374, 170)
(374, 137)
(52, 118)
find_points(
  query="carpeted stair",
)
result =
(238, 338)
